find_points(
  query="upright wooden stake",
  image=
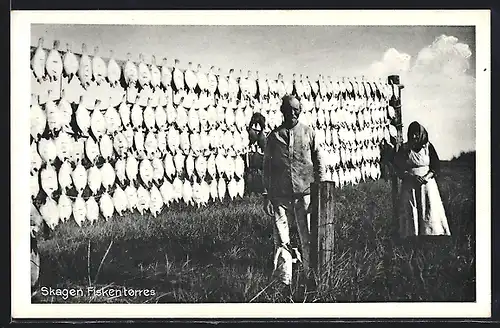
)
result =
(397, 121)
(322, 227)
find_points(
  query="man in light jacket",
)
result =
(291, 163)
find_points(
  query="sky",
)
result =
(436, 63)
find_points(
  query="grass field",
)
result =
(223, 253)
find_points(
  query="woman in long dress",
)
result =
(421, 211)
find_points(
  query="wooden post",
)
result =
(397, 121)
(322, 227)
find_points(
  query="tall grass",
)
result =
(223, 253)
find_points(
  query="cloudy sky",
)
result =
(436, 64)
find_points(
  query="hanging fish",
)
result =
(92, 150)
(239, 167)
(221, 188)
(50, 213)
(156, 201)
(213, 191)
(64, 177)
(98, 124)
(65, 208)
(129, 136)
(108, 176)
(155, 73)
(106, 206)
(197, 194)
(132, 198)
(211, 80)
(54, 64)
(187, 192)
(166, 74)
(178, 76)
(79, 211)
(139, 141)
(190, 77)
(182, 118)
(204, 193)
(38, 120)
(221, 116)
(54, 118)
(220, 164)
(184, 142)
(113, 70)
(228, 140)
(106, 147)
(143, 200)
(201, 79)
(160, 117)
(47, 150)
(92, 208)
(119, 201)
(200, 166)
(204, 142)
(120, 170)
(193, 122)
(94, 179)
(38, 61)
(161, 141)
(173, 140)
(125, 113)
(48, 180)
(166, 191)
(212, 138)
(222, 84)
(150, 145)
(65, 113)
(168, 164)
(79, 178)
(177, 187)
(136, 117)
(195, 142)
(146, 173)
(144, 76)
(63, 144)
(189, 165)
(149, 118)
(158, 170)
(120, 145)
(203, 119)
(113, 121)
(83, 120)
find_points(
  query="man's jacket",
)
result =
(291, 161)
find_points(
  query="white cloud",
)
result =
(438, 92)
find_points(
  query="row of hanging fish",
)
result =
(131, 199)
(54, 64)
(343, 176)
(81, 168)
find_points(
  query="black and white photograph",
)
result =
(235, 159)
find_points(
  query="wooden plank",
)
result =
(322, 227)
(313, 255)
(326, 232)
(398, 123)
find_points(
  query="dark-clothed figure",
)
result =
(421, 210)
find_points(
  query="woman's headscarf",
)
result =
(420, 132)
